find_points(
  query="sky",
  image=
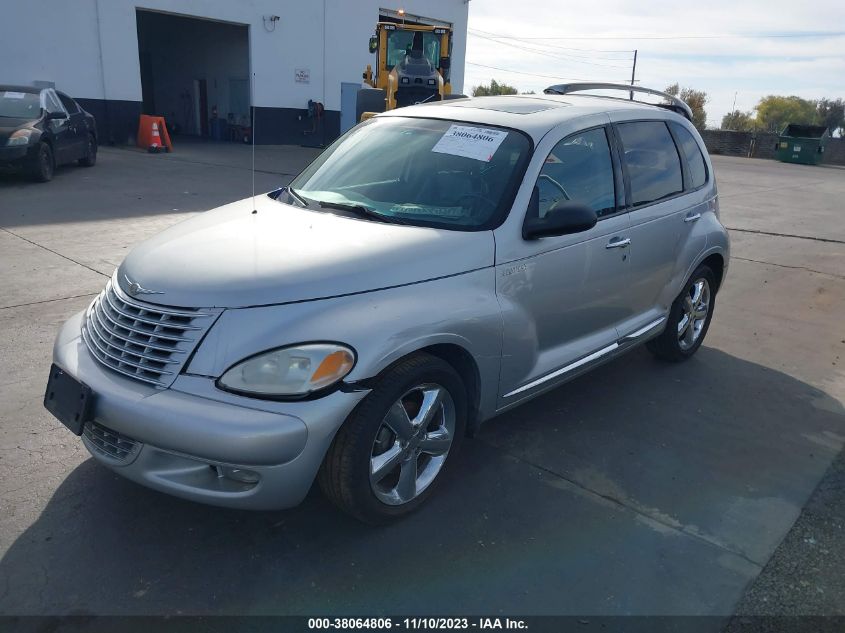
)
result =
(726, 48)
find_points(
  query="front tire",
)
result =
(388, 456)
(689, 318)
(44, 165)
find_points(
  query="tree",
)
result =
(739, 121)
(831, 113)
(775, 112)
(695, 99)
(495, 88)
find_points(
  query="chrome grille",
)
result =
(147, 342)
(110, 443)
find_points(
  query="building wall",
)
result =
(89, 49)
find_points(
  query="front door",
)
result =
(563, 299)
(64, 136)
(78, 145)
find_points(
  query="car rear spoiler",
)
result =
(673, 103)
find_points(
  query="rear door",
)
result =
(657, 207)
(562, 297)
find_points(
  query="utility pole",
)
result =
(733, 107)
(633, 74)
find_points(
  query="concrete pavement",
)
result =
(641, 488)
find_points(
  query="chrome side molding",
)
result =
(563, 370)
(633, 336)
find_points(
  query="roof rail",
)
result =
(674, 104)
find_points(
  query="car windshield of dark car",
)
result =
(19, 105)
(426, 172)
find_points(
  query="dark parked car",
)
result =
(41, 128)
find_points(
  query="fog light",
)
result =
(238, 474)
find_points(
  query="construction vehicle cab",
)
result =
(412, 66)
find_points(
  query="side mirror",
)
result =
(373, 44)
(563, 218)
(57, 115)
(445, 62)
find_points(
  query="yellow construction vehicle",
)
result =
(412, 66)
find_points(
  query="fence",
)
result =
(761, 145)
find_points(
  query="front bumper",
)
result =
(183, 440)
(15, 157)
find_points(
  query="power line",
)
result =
(553, 46)
(679, 37)
(548, 53)
(521, 72)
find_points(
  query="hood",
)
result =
(231, 257)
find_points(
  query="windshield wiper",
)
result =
(296, 196)
(361, 211)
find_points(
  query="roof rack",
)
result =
(675, 104)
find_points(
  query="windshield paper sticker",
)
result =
(13, 95)
(470, 142)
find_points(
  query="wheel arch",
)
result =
(716, 263)
(462, 361)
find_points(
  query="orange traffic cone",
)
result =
(155, 143)
(152, 134)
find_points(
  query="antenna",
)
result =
(252, 134)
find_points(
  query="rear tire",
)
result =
(369, 100)
(689, 318)
(44, 163)
(366, 470)
(90, 158)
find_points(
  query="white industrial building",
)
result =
(201, 64)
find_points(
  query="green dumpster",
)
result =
(802, 144)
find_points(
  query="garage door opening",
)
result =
(195, 73)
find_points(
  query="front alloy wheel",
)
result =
(412, 444)
(394, 448)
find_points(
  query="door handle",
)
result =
(692, 217)
(617, 242)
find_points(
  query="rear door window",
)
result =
(692, 152)
(651, 160)
(579, 168)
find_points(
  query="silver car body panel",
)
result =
(529, 314)
(284, 253)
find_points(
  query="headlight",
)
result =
(21, 137)
(293, 371)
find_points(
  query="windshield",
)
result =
(399, 43)
(19, 105)
(426, 172)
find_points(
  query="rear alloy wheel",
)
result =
(689, 318)
(44, 165)
(390, 453)
(90, 158)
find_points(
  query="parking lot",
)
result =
(640, 488)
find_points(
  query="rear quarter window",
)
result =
(692, 153)
(651, 160)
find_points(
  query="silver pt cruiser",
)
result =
(436, 266)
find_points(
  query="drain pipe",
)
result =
(103, 75)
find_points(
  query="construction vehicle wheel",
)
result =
(369, 100)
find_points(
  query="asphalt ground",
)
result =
(641, 488)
